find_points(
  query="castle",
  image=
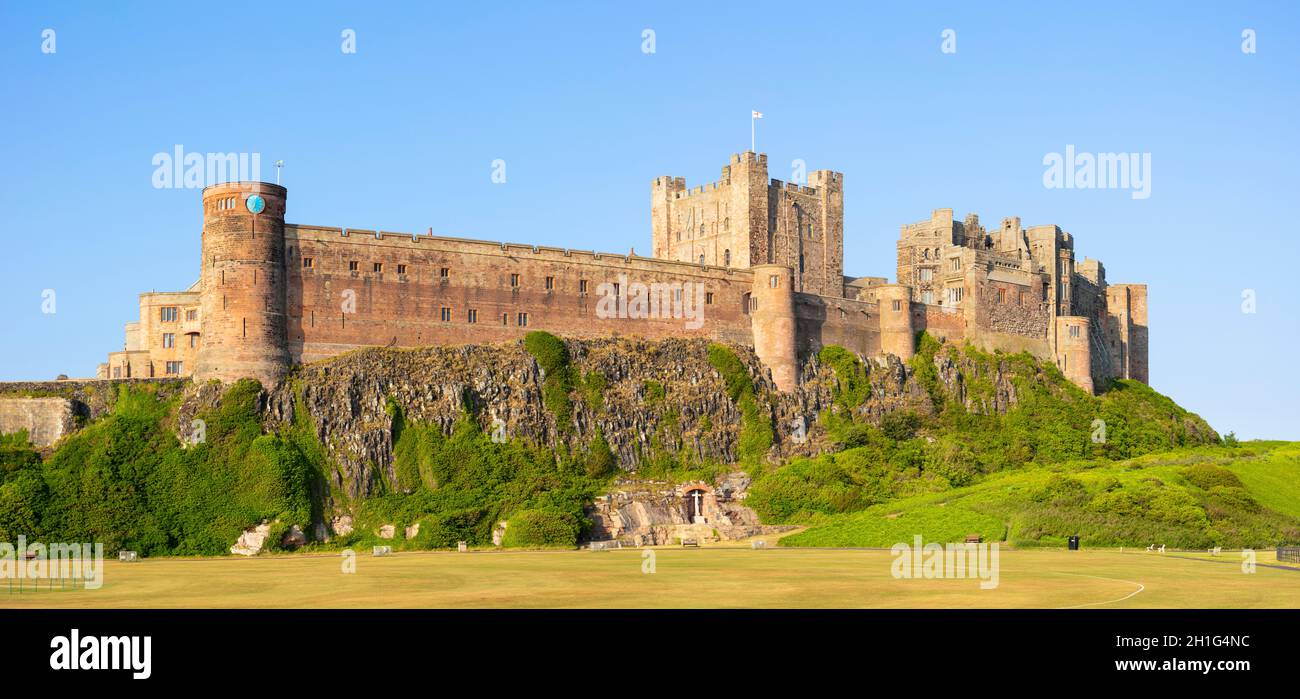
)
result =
(746, 260)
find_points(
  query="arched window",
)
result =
(701, 260)
(701, 230)
(726, 257)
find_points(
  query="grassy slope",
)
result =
(1011, 505)
(1274, 478)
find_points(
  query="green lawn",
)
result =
(683, 578)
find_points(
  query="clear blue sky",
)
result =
(401, 136)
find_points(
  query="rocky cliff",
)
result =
(643, 396)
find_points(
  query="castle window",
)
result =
(174, 367)
(955, 294)
(446, 314)
(1021, 299)
(550, 283)
(167, 314)
(514, 281)
(505, 319)
(616, 290)
(801, 264)
(1074, 331)
(117, 372)
(582, 286)
(926, 274)
(679, 235)
(956, 264)
(927, 297)
(192, 314)
(1002, 295)
(774, 281)
(726, 257)
(444, 273)
(701, 260)
(471, 316)
(401, 269)
(194, 340)
(896, 305)
(708, 298)
(522, 320)
(354, 266)
(745, 302)
(379, 268)
(925, 254)
(169, 340)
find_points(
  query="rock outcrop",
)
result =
(650, 513)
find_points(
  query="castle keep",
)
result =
(745, 260)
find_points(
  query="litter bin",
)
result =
(1074, 543)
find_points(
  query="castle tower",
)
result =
(897, 334)
(1074, 351)
(771, 308)
(242, 296)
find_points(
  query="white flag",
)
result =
(756, 115)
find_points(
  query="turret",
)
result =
(772, 319)
(1073, 351)
(242, 297)
(897, 335)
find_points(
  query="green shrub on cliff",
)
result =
(557, 382)
(458, 486)
(756, 434)
(851, 385)
(127, 482)
(16, 454)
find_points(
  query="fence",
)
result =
(1288, 554)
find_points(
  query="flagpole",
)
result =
(751, 132)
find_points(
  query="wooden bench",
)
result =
(974, 538)
(691, 542)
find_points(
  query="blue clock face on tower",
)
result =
(255, 204)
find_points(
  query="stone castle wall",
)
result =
(363, 288)
(744, 260)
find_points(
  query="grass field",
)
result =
(695, 578)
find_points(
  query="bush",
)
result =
(542, 527)
(900, 425)
(1208, 476)
(600, 461)
(16, 454)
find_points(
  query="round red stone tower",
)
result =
(773, 322)
(242, 320)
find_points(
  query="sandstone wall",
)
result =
(46, 419)
(491, 293)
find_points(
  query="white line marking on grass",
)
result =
(1140, 587)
